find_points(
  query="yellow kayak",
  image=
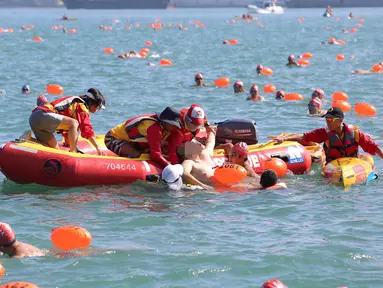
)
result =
(348, 171)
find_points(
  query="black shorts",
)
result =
(115, 145)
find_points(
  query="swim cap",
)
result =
(259, 67)
(241, 148)
(25, 87)
(198, 76)
(254, 87)
(332, 40)
(318, 92)
(291, 57)
(280, 94)
(7, 236)
(273, 284)
(195, 115)
(238, 84)
(225, 42)
(172, 176)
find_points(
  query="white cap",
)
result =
(172, 176)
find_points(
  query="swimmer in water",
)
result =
(23, 28)
(25, 89)
(13, 248)
(254, 94)
(315, 104)
(101, 27)
(360, 71)
(291, 61)
(225, 42)
(64, 30)
(198, 78)
(65, 17)
(350, 16)
(280, 95)
(259, 69)
(238, 87)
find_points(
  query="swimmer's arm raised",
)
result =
(210, 141)
(250, 170)
(189, 178)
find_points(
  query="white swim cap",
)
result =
(172, 176)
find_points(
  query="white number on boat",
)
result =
(124, 167)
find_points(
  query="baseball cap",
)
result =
(172, 176)
(196, 115)
(7, 236)
(334, 112)
(170, 115)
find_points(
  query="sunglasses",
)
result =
(253, 91)
(331, 120)
(198, 79)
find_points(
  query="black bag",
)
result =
(237, 130)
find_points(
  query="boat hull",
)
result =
(30, 162)
(258, 10)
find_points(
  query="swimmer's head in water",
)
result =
(268, 178)
(332, 40)
(318, 93)
(259, 68)
(198, 78)
(273, 284)
(280, 95)
(238, 87)
(25, 88)
(291, 58)
(254, 89)
(7, 236)
(239, 153)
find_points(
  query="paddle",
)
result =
(372, 177)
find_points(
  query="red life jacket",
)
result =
(337, 148)
(132, 131)
(63, 104)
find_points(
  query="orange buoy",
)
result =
(73, 31)
(339, 96)
(276, 164)
(147, 50)
(108, 50)
(229, 174)
(365, 109)
(222, 82)
(341, 42)
(165, 62)
(304, 62)
(38, 39)
(143, 54)
(267, 71)
(148, 43)
(269, 88)
(377, 68)
(54, 89)
(71, 237)
(233, 41)
(353, 30)
(307, 55)
(301, 19)
(2, 270)
(293, 97)
(340, 57)
(343, 105)
(19, 285)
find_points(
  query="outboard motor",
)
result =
(237, 130)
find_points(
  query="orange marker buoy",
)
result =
(267, 71)
(304, 62)
(71, 237)
(73, 31)
(54, 89)
(148, 43)
(301, 19)
(340, 57)
(276, 164)
(307, 55)
(229, 174)
(143, 54)
(365, 109)
(19, 285)
(233, 41)
(293, 97)
(353, 30)
(38, 39)
(377, 68)
(341, 42)
(108, 50)
(2, 270)
(147, 50)
(343, 105)
(222, 82)
(269, 88)
(339, 96)
(165, 62)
